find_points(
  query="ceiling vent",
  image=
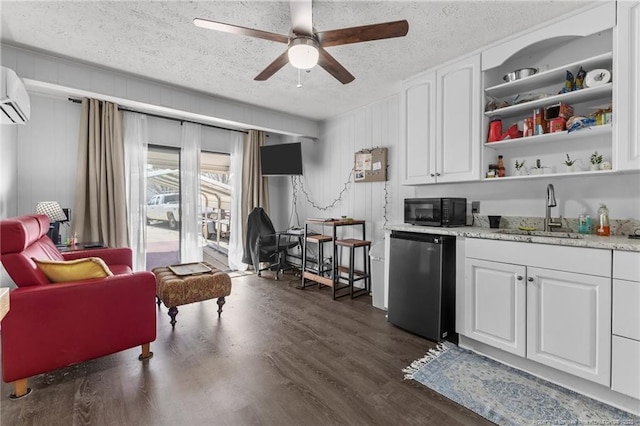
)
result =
(14, 100)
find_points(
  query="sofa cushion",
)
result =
(19, 233)
(59, 271)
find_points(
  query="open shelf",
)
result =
(605, 129)
(552, 175)
(547, 78)
(583, 95)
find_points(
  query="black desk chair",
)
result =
(264, 244)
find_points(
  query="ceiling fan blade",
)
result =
(235, 29)
(273, 67)
(301, 17)
(363, 33)
(334, 68)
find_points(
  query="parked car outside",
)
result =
(164, 208)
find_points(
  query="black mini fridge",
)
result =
(422, 281)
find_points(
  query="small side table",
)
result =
(66, 248)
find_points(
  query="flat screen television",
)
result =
(281, 160)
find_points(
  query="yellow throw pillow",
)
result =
(60, 271)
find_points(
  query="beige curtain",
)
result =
(255, 190)
(100, 209)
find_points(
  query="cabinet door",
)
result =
(495, 299)
(569, 322)
(459, 113)
(627, 87)
(418, 129)
(625, 368)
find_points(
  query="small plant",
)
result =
(520, 165)
(569, 162)
(596, 158)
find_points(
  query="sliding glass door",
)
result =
(215, 198)
(163, 207)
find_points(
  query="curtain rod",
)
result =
(181, 120)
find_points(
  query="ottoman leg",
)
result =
(173, 311)
(220, 303)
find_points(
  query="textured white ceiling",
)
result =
(158, 40)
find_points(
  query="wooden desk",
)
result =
(330, 277)
(4, 302)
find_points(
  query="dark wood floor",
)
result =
(278, 356)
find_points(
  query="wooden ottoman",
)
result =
(176, 290)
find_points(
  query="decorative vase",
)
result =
(594, 167)
(517, 172)
(569, 168)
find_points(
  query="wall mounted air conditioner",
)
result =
(15, 107)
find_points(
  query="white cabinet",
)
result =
(627, 88)
(568, 322)
(458, 121)
(495, 310)
(441, 124)
(419, 128)
(582, 41)
(625, 362)
(551, 304)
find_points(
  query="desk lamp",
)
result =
(53, 210)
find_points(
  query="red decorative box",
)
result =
(558, 124)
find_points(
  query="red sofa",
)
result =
(50, 326)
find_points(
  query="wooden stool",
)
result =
(319, 270)
(352, 274)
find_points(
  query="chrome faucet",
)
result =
(551, 202)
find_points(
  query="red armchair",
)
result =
(50, 326)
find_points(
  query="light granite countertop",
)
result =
(592, 241)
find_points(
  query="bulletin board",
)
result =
(370, 165)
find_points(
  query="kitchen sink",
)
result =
(558, 234)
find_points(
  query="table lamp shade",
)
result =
(52, 209)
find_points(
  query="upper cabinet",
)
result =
(418, 112)
(582, 42)
(441, 113)
(446, 114)
(627, 86)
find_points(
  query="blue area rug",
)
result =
(508, 396)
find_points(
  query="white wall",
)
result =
(621, 193)
(8, 170)
(8, 179)
(40, 165)
(46, 70)
(47, 154)
(328, 163)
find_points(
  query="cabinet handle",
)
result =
(433, 175)
(437, 174)
(530, 279)
(519, 277)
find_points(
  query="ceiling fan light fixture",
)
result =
(303, 52)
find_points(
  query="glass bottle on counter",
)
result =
(584, 222)
(603, 228)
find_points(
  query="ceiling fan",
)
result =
(306, 45)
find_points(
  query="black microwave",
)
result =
(435, 211)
